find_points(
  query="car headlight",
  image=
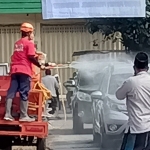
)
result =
(83, 96)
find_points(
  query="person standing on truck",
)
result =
(21, 71)
(136, 90)
(51, 84)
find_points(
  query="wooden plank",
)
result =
(20, 6)
(20, 11)
(20, 1)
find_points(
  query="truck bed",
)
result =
(38, 128)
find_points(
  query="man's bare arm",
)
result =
(122, 91)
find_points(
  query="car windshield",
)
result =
(89, 79)
(85, 80)
(116, 81)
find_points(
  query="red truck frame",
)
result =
(17, 133)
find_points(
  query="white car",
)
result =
(110, 114)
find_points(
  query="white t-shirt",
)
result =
(136, 90)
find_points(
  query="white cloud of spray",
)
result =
(91, 65)
(94, 63)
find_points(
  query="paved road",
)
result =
(64, 139)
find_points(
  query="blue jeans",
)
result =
(19, 83)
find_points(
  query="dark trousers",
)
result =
(19, 83)
(54, 103)
(59, 104)
(136, 141)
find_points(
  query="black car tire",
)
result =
(6, 142)
(41, 143)
(78, 125)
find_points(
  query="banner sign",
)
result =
(63, 9)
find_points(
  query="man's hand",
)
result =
(42, 67)
(52, 64)
(45, 67)
(48, 67)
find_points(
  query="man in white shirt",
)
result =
(136, 90)
(51, 84)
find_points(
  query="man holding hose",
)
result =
(136, 90)
(21, 70)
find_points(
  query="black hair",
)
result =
(141, 60)
(47, 72)
(24, 34)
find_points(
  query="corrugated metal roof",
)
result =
(20, 6)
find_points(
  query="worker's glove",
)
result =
(47, 67)
(42, 67)
(52, 64)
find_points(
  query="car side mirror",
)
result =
(71, 82)
(96, 95)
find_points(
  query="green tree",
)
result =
(134, 33)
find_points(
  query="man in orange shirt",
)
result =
(21, 71)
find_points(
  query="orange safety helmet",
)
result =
(27, 27)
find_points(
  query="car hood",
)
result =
(121, 104)
(89, 88)
(115, 100)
